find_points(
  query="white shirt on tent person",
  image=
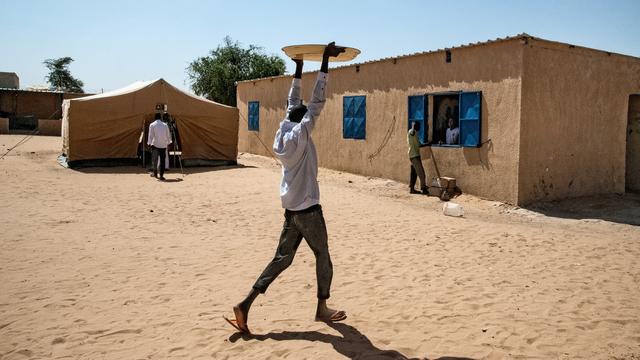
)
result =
(160, 137)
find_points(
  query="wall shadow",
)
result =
(202, 169)
(618, 208)
(352, 344)
(479, 155)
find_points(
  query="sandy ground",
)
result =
(108, 263)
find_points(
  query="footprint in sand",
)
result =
(176, 349)
(25, 352)
(120, 332)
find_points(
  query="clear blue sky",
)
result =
(117, 42)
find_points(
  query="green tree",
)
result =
(59, 77)
(214, 76)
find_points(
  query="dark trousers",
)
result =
(417, 170)
(308, 224)
(158, 153)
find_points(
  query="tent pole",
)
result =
(176, 148)
(142, 147)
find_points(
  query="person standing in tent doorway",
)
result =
(300, 197)
(159, 139)
(166, 118)
(417, 171)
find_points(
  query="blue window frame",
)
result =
(470, 115)
(354, 117)
(254, 115)
(418, 113)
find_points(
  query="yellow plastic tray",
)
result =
(313, 52)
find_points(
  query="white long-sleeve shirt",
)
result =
(297, 153)
(159, 135)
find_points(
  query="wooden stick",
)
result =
(435, 164)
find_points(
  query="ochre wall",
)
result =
(42, 105)
(632, 176)
(49, 127)
(4, 125)
(494, 68)
(573, 121)
(9, 80)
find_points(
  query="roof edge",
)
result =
(521, 36)
(45, 91)
(404, 56)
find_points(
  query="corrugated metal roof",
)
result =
(523, 36)
(42, 91)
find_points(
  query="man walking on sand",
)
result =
(159, 139)
(300, 196)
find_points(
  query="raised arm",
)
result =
(294, 93)
(318, 97)
(331, 50)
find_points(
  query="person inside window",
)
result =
(453, 133)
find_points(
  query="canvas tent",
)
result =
(107, 127)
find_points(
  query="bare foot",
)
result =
(325, 313)
(240, 322)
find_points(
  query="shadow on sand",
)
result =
(173, 171)
(618, 208)
(352, 344)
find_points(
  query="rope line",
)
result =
(26, 138)
(22, 141)
(269, 151)
(385, 140)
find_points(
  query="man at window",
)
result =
(453, 133)
(300, 196)
(417, 170)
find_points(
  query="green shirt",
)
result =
(414, 144)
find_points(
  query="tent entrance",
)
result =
(174, 150)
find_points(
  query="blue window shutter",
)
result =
(418, 113)
(347, 117)
(470, 118)
(347, 130)
(354, 117)
(360, 118)
(254, 115)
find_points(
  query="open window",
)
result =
(254, 116)
(418, 106)
(445, 119)
(354, 117)
(457, 119)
